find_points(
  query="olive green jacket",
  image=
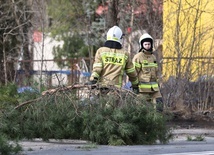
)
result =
(110, 65)
(147, 68)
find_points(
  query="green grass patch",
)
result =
(195, 138)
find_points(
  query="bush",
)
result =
(125, 125)
(8, 95)
(195, 96)
(104, 120)
(6, 148)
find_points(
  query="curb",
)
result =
(204, 132)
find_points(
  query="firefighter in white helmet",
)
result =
(112, 62)
(147, 69)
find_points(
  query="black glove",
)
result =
(135, 89)
(92, 82)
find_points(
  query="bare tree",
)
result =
(113, 11)
(15, 23)
(188, 43)
(40, 23)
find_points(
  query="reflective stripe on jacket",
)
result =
(111, 64)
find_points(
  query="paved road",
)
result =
(178, 146)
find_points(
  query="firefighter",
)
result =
(112, 62)
(147, 68)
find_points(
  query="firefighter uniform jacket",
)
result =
(146, 67)
(110, 65)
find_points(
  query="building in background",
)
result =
(188, 38)
(45, 66)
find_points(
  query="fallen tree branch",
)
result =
(51, 92)
(66, 88)
(59, 89)
(27, 102)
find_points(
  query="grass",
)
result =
(195, 138)
(88, 146)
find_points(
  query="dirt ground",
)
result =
(194, 122)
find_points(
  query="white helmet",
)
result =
(144, 38)
(115, 34)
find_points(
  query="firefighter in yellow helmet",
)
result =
(112, 62)
(147, 68)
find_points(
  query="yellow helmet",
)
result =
(115, 34)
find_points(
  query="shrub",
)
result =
(125, 125)
(109, 119)
(7, 148)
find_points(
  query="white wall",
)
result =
(43, 51)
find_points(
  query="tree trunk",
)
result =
(112, 16)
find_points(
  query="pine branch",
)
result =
(27, 102)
